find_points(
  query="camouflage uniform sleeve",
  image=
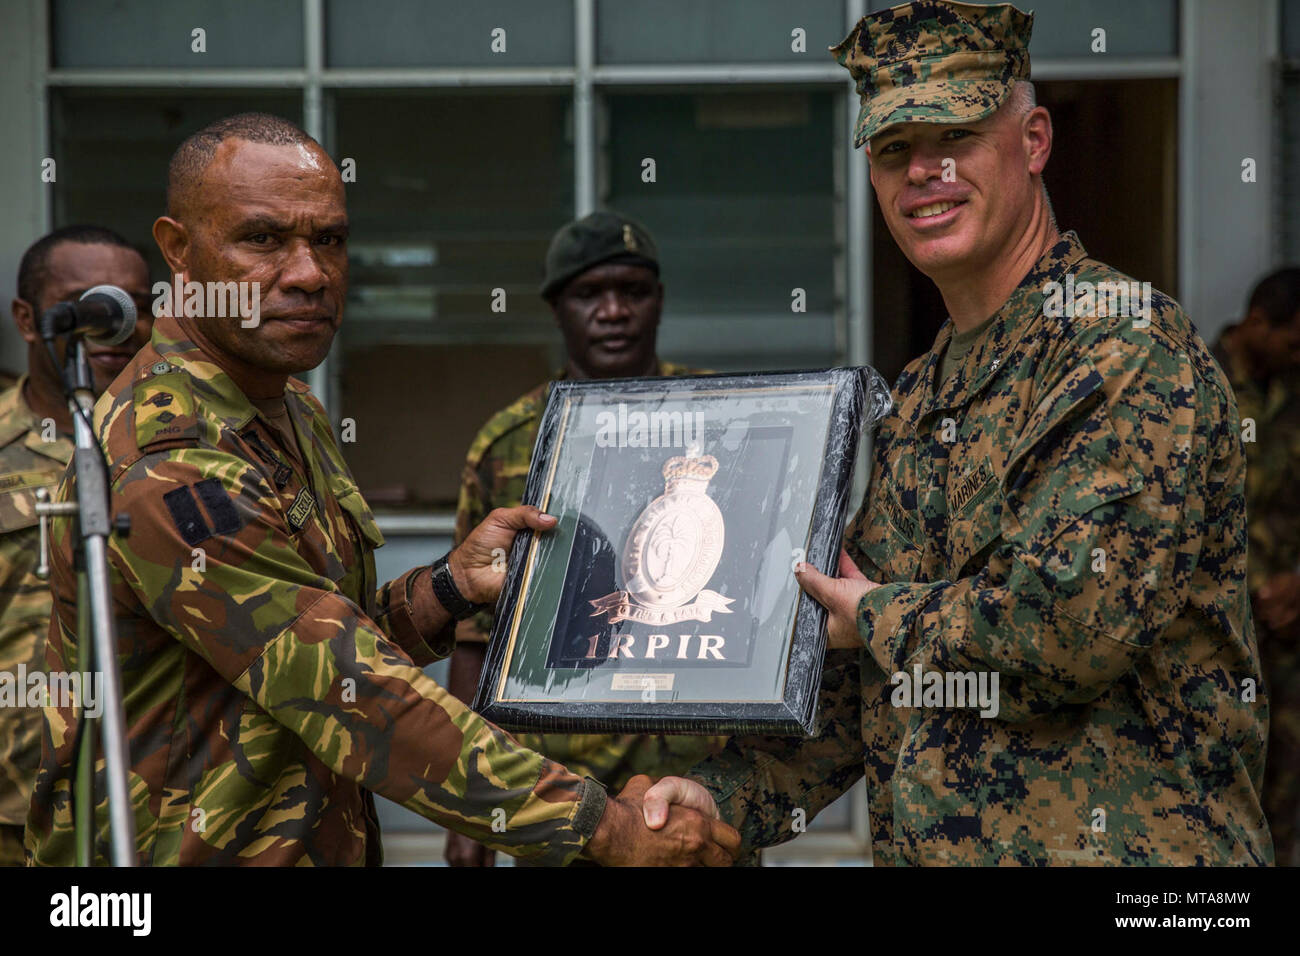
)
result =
(760, 782)
(25, 601)
(1112, 467)
(395, 615)
(289, 639)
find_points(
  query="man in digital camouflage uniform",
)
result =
(1057, 499)
(602, 282)
(35, 447)
(1261, 357)
(271, 688)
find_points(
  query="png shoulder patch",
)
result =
(163, 407)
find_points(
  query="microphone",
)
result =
(104, 314)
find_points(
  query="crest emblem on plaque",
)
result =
(672, 551)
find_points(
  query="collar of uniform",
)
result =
(987, 355)
(18, 420)
(296, 392)
(216, 392)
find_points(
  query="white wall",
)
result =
(1230, 56)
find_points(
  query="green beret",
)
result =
(934, 62)
(593, 239)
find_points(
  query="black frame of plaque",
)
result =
(858, 392)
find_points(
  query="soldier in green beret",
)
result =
(1056, 513)
(602, 283)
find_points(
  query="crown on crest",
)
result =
(702, 468)
(693, 468)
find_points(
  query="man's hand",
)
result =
(478, 564)
(681, 792)
(685, 838)
(840, 597)
(1278, 601)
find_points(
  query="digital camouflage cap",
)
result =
(934, 62)
(595, 238)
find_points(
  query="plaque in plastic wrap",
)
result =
(664, 600)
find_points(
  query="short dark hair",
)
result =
(34, 267)
(193, 155)
(1277, 296)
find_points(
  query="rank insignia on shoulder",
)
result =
(164, 411)
(301, 510)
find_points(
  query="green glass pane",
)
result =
(444, 33)
(147, 33)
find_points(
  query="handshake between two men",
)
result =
(673, 823)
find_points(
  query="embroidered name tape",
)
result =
(301, 509)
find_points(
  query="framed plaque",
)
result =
(664, 600)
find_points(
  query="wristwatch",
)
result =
(448, 595)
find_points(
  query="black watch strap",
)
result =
(448, 595)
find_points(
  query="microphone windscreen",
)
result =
(123, 331)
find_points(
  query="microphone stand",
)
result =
(97, 634)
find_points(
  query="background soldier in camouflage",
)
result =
(35, 447)
(270, 689)
(1062, 505)
(1261, 356)
(602, 283)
